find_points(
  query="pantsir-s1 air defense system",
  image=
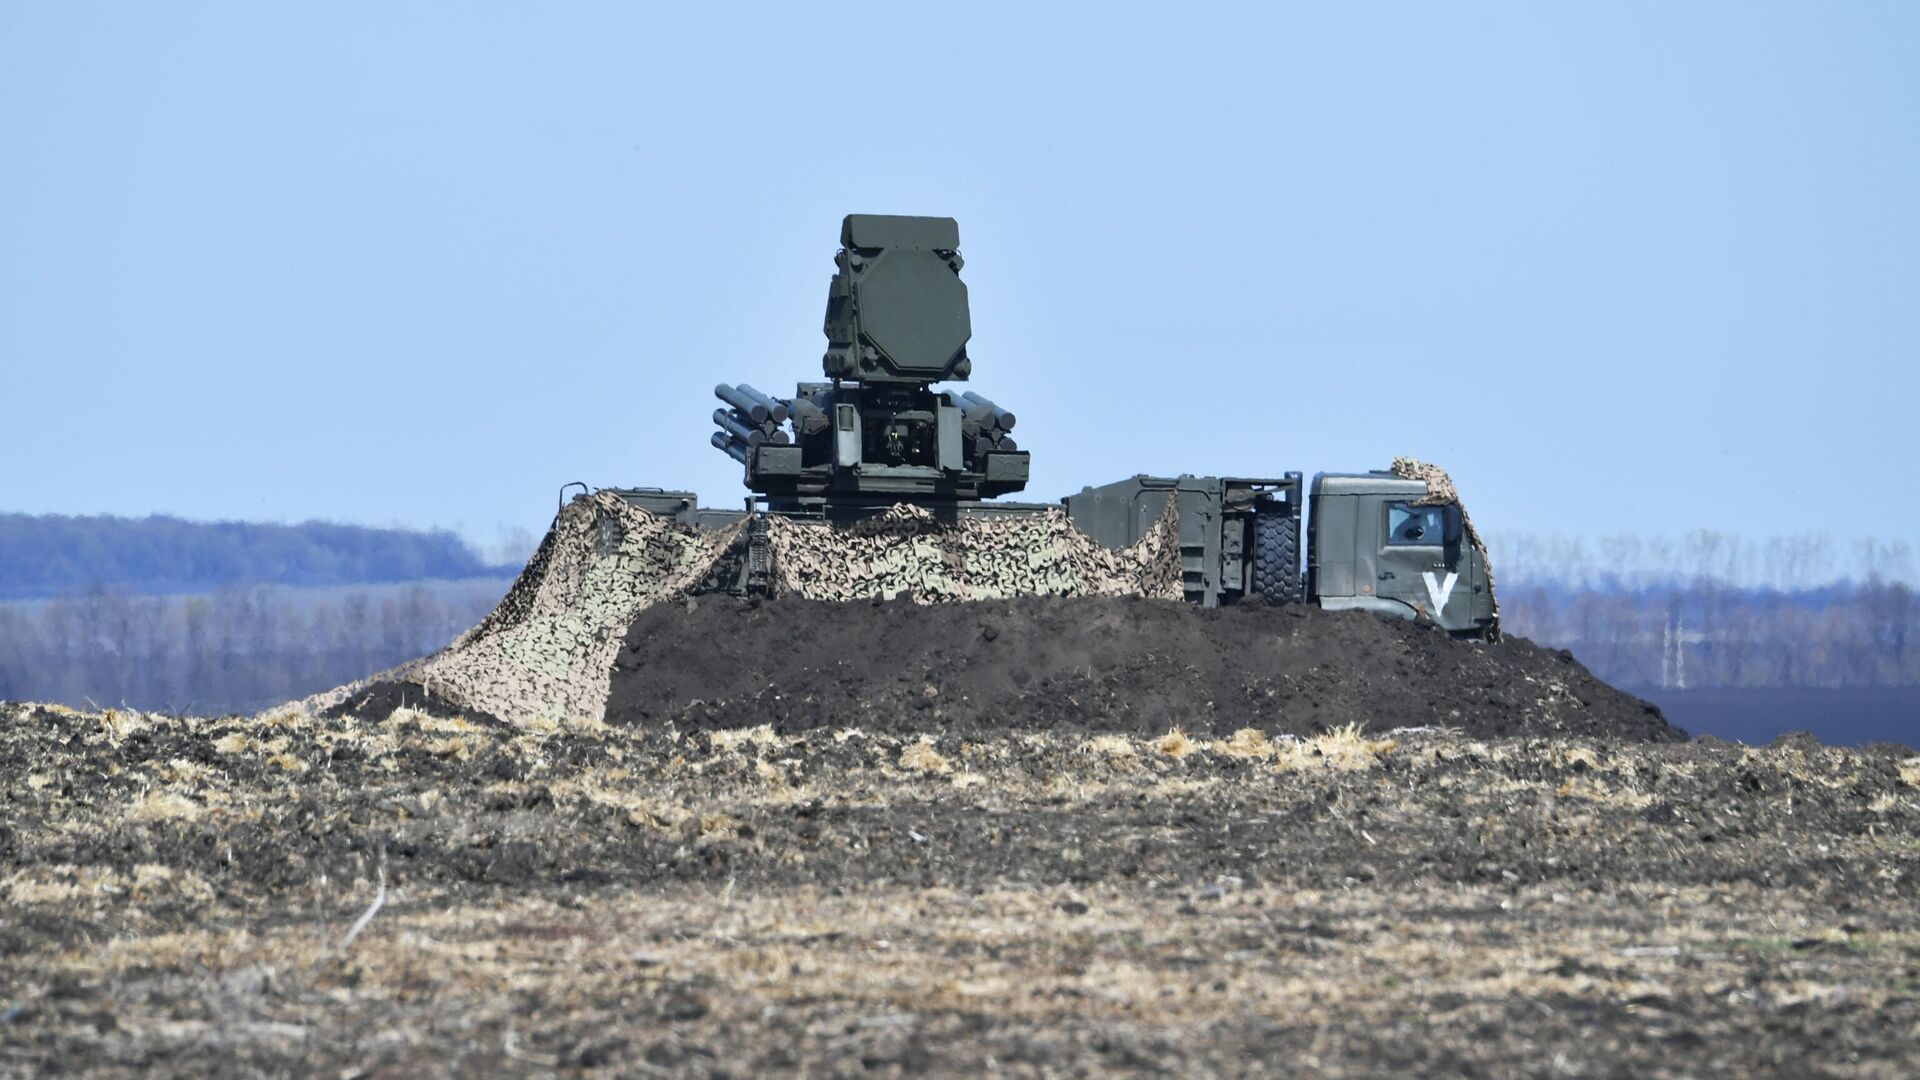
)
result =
(879, 432)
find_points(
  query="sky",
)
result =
(1633, 267)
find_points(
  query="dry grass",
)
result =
(1175, 744)
(1245, 743)
(921, 756)
(1041, 903)
(1343, 749)
(762, 738)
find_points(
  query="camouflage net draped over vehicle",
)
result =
(1441, 492)
(546, 653)
(906, 551)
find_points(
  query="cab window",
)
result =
(1409, 525)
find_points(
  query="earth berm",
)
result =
(1091, 664)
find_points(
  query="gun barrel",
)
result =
(756, 411)
(776, 412)
(1002, 418)
(731, 447)
(730, 423)
(808, 418)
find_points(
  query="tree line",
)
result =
(1701, 612)
(1791, 563)
(1708, 634)
(233, 650)
(245, 649)
(55, 555)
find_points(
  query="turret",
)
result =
(878, 432)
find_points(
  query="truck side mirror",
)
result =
(1455, 523)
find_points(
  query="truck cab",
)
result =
(1377, 542)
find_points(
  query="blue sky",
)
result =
(1624, 267)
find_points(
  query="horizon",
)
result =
(361, 265)
(1792, 563)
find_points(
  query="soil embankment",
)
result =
(1096, 664)
(1021, 623)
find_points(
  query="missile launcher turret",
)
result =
(877, 431)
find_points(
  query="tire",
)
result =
(1276, 559)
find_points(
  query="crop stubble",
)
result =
(637, 899)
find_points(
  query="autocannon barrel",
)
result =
(746, 433)
(758, 412)
(808, 418)
(1002, 418)
(733, 448)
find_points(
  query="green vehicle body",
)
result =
(879, 432)
(1371, 545)
(1375, 547)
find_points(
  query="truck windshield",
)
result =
(1408, 524)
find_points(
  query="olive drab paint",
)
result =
(878, 446)
(1356, 559)
(877, 433)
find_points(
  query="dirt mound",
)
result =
(1022, 623)
(384, 697)
(544, 653)
(1095, 664)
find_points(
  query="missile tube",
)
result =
(776, 412)
(755, 411)
(733, 448)
(731, 424)
(1002, 418)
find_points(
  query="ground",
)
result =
(416, 895)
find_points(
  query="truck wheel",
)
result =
(1276, 559)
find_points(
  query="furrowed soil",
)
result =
(412, 895)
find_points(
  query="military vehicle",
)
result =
(879, 432)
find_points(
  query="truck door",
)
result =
(1419, 561)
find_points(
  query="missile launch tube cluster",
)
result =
(753, 421)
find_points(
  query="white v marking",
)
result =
(1438, 590)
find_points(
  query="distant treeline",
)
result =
(1711, 635)
(53, 555)
(234, 650)
(160, 613)
(1796, 562)
(247, 649)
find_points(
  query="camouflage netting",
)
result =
(546, 652)
(907, 551)
(1440, 491)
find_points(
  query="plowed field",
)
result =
(410, 895)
